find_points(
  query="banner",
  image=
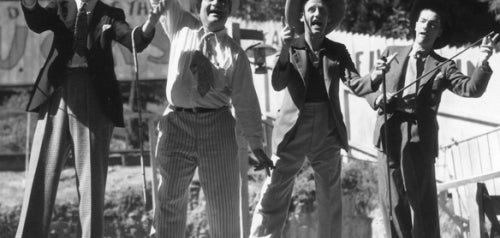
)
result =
(23, 52)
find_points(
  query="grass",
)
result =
(125, 215)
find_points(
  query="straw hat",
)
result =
(295, 8)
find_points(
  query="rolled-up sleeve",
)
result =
(175, 17)
(245, 102)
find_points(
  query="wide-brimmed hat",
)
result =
(444, 16)
(294, 11)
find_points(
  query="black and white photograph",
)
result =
(249, 118)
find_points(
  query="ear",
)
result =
(301, 17)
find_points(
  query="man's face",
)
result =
(214, 13)
(315, 17)
(427, 28)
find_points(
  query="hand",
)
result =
(378, 72)
(264, 161)
(385, 106)
(287, 36)
(157, 9)
(486, 48)
(155, 2)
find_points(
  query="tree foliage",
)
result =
(471, 19)
(387, 18)
(377, 17)
(261, 10)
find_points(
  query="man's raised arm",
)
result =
(175, 17)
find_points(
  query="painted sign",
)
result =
(22, 52)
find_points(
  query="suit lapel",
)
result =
(330, 61)
(95, 29)
(327, 64)
(300, 61)
(430, 64)
(398, 67)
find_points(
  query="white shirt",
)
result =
(233, 84)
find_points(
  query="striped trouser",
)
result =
(71, 118)
(316, 138)
(205, 140)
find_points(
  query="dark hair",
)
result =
(198, 5)
(444, 18)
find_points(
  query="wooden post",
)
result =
(153, 137)
(242, 155)
(28, 135)
(475, 205)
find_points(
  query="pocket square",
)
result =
(105, 27)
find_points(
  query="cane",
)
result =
(442, 63)
(138, 103)
(384, 92)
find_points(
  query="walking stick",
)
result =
(138, 103)
(384, 92)
(442, 63)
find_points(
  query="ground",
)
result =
(120, 179)
(125, 215)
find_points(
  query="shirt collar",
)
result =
(419, 53)
(90, 5)
(218, 34)
(301, 43)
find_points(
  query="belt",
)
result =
(77, 69)
(405, 116)
(194, 109)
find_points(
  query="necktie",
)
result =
(414, 71)
(81, 30)
(204, 63)
(419, 57)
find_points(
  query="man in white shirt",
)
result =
(208, 74)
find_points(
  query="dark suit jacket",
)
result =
(55, 18)
(337, 65)
(429, 94)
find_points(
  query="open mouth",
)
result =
(424, 34)
(216, 12)
(316, 23)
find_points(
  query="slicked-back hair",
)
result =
(444, 18)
